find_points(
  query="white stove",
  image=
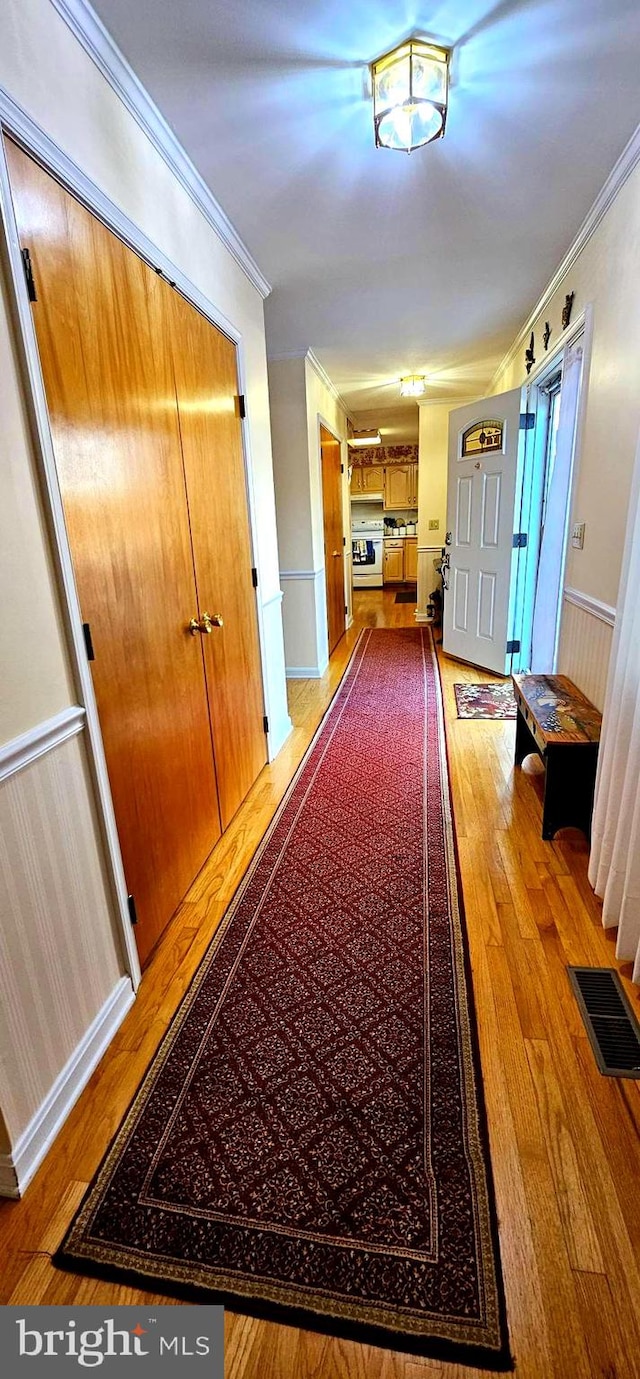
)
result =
(366, 551)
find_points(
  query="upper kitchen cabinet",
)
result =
(367, 479)
(400, 486)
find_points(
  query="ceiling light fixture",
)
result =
(413, 385)
(365, 438)
(410, 93)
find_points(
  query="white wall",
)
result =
(433, 443)
(302, 398)
(605, 274)
(46, 71)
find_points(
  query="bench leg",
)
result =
(525, 741)
(569, 785)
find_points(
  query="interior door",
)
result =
(483, 496)
(108, 375)
(333, 535)
(207, 389)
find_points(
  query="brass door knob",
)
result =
(336, 555)
(205, 624)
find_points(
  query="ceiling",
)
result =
(380, 262)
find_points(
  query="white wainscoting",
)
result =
(18, 1167)
(304, 618)
(64, 988)
(427, 579)
(585, 643)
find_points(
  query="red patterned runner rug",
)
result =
(309, 1142)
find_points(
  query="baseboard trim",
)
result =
(26, 748)
(305, 672)
(18, 1167)
(8, 1178)
(277, 738)
(588, 604)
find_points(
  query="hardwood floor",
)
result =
(565, 1141)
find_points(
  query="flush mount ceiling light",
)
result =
(413, 385)
(410, 92)
(365, 438)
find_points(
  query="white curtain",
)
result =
(614, 866)
(553, 544)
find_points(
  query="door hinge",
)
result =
(344, 540)
(520, 539)
(254, 577)
(346, 609)
(28, 273)
(265, 724)
(512, 647)
(242, 410)
(342, 469)
(86, 630)
(133, 915)
(527, 421)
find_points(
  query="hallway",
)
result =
(564, 1140)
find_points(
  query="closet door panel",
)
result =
(106, 361)
(207, 386)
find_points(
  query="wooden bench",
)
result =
(563, 727)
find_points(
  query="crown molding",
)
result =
(283, 355)
(625, 165)
(324, 378)
(104, 52)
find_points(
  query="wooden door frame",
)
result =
(15, 122)
(321, 421)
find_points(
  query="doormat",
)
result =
(309, 1143)
(407, 595)
(486, 701)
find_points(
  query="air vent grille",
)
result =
(609, 1020)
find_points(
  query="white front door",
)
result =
(483, 497)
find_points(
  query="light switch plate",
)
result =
(434, 524)
(577, 535)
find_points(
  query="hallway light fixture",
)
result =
(413, 385)
(365, 438)
(410, 93)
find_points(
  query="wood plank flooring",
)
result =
(565, 1141)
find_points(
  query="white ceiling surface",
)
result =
(385, 263)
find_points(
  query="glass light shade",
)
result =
(365, 438)
(413, 385)
(410, 91)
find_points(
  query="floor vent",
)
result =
(609, 1020)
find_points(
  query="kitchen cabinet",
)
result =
(411, 558)
(393, 561)
(400, 486)
(366, 478)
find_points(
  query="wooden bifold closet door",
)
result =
(115, 344)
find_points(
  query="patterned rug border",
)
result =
(305, 1316)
